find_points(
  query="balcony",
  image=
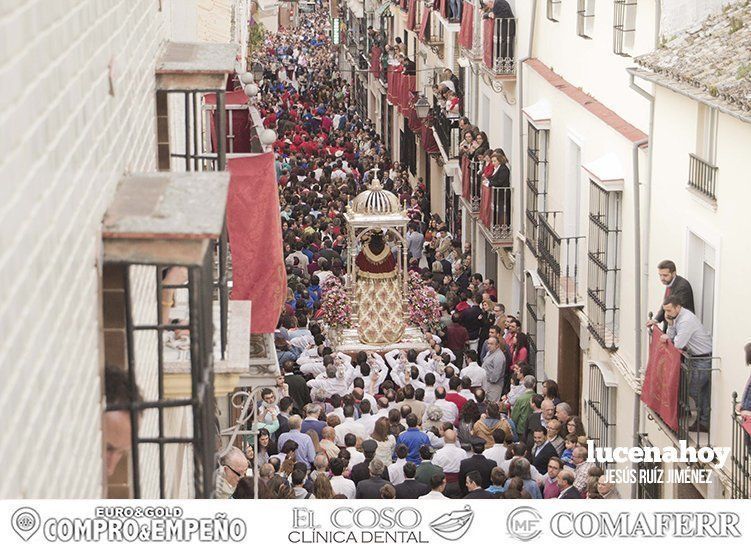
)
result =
(740, 457)
(558, 262)
(499, 47)
(448, 133)
(495, 214)
(702, 176)
(695, 394)
(471, 185)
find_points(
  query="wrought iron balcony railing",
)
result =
(499, 46)
(740, 456)
(558, 262)
(500, 224)
(449, 133)
(702, 176)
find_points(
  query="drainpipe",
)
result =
(638, 288)
(641, 266)
(522, 154)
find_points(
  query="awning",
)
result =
(384, 10)
(606, 172)
(539, 114)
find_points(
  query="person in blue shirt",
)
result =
(314, 289)
(413, 438)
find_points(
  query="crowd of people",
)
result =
(466, 417)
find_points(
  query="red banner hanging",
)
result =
(375, 61)
(661, 381)
(428, 141)
(467, 26)
(488, 26)
(486, 204)
(412, 14)
(424, 24)
(255, 237)
(237, 123)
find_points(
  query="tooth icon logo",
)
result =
(454, 525)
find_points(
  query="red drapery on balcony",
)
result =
(422, 35)
(375, 61)
(467, 26)
(254, 227)
(415, 125)
(488, 26)
(241, 125)
(412, 14)
(662, 379)
(428, 140)
(486, 204)
(406, 86)
(391, 82)
(443, 8)
(466, 186)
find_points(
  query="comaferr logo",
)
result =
(524, 523)
(454, 525)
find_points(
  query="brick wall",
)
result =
(65, 142)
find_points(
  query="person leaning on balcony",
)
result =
(119, 392)
(500, 175)
(675, 285)
(688, 334)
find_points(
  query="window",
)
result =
(554, 10)
(604, 264)
(624, 26)
(535, 326)
(701, 273)
(702, 174)
(648, 479)
(537, 181)
(600, 407)
(706, 134)
(151, 299)
(585, 18)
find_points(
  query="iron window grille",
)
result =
(604, 264)
(136, 245)
(624, 26)
(702, 176)
(558, 261)
(740, 456)
(585, 18)
(554, 10)
(535, 325)
(648, 474)
(537, 181)
(600, 406)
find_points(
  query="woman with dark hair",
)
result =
(550, 391)
(481, 145)
(395, 422)
(575, 426)
(385, 440)
(266, 446)
(521, 349)
(469, 415)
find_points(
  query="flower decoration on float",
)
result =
(335, 307)
(424, 306)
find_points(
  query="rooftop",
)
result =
(710, 61)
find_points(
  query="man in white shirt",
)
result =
(474, 371)
(355, 457)
(450, 410)
(331, 382)
(367, 420)
(340, 484)
(349, 425)
(396, 469)
(449, 458)
(520, 450)
(437, 485)
(497, 452)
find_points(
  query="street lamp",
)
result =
(422, 107)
